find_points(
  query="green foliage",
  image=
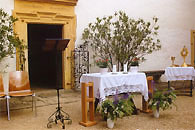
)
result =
(115, 109)
(120, 38)
(102, 63)
(9, 41)
(135, 62)
(22, 58)
(163, 99)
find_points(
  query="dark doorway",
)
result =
(43, 69)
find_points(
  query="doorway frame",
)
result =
(36, 12)
(192, 47)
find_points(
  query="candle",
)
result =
(114, 69)
(125, 67)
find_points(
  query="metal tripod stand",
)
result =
(58, 115)
(56, 46)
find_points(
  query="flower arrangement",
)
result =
(163, 99)
(135, 62)
(102, 63)
(116, 108)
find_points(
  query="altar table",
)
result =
(180, 73)
(116, 83)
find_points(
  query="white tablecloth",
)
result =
(179, 73)
(110, 84)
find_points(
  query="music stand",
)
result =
(57, 46)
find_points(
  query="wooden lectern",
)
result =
(57, 46)
(150, 94)
(84, 101)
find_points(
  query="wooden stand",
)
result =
(151, 91)
(84, 100)
(57, 46)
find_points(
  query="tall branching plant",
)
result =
(9, 41)
(122, 39)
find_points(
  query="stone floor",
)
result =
(23, 118)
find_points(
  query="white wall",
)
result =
(7, 6)
(176, 20)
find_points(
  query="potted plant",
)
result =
(162, 99)
(9, 41)
(135, 62)
(103, 65)
(134, 65)
(111, 109)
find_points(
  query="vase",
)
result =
(134, 69)
(110, 123)
(156, 113)
(103, 70)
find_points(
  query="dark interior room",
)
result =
(44, 68)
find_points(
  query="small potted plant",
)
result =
(134, 65)
(135, 62)
(111, 109)
(162, 99)
(103, 65)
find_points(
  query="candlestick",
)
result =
(125, 68)
(114, 69)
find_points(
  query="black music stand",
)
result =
(57, 46)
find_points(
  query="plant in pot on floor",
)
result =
(162, 99)
(111, 109)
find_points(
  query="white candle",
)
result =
(125, 67)
(114, 69)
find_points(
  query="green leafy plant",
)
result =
(120, 39)
(9, 41)
(116, 108)
(135, 62)
(102, 63)
(162, 99)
